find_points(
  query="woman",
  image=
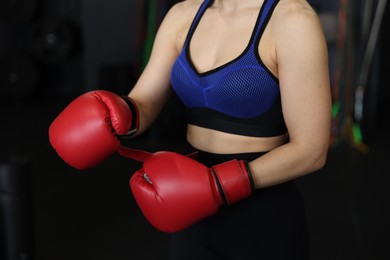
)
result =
(254, 77)
(289, 55)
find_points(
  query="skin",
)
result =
(294, 49)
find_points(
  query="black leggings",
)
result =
(270, 225)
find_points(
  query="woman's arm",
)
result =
(302, 68)
(152, 89)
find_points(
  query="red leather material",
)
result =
(234, 180)
(83, 133)
(120, 114)
(174, 191)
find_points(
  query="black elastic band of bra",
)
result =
(235, 127)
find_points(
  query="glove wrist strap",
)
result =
(135, 116)
(234, 180)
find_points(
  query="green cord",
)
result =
(151, 31)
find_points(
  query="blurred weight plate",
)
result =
(18, 11)
(18, 75)
(52, 40)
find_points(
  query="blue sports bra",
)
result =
(240, 97)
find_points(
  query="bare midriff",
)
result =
(214, 141)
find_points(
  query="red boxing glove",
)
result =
(84, 133)
(174, 191)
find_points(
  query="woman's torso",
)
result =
(219, 38)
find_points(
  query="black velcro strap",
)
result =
(224, 200)
(134, 115)
(248, 170)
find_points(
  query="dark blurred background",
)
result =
(51, 51)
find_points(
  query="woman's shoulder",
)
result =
(177, 21)
(180, 14)
(295, 16)
(185, 8)
(295, 11)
